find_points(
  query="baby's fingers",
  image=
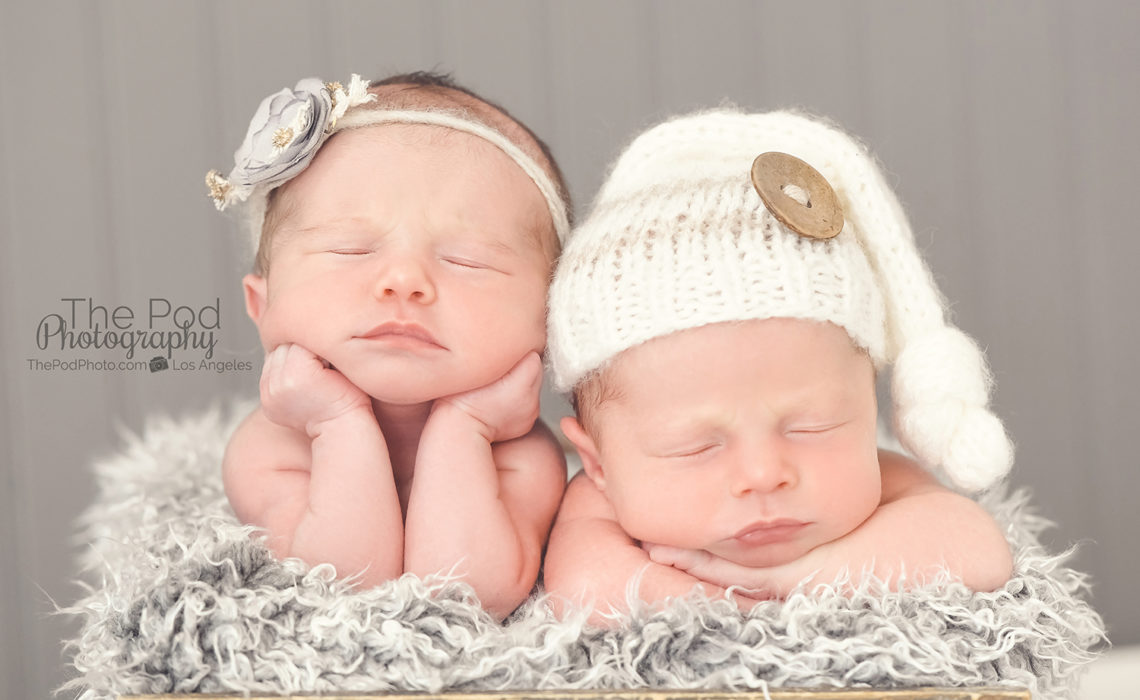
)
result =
(507, 407)
(528, 371)
(298, 389)
(701, 564)
(521, 384)
(678, 558)
(274, 360)
(747, 586)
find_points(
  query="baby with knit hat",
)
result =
(405, 233)
(720, 318)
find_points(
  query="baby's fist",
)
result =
(298, 391)
(507, 407)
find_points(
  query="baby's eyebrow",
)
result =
(488, 241)
(499, 246)
(822, 408)
(287, 234)
(328, 226)
(696, 420)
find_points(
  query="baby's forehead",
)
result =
(796, 351)
(407, 96)
(462, 166)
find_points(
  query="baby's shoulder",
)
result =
(533, 463)
(539, 446)
(902, 476)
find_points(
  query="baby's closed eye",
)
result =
(815, 429)
(476, 257)
(699, 451)
(465, 262)
(689, 449)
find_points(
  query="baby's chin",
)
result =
(395, 395)
(407, 389)
(390, 395)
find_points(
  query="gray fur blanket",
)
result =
(182, 599)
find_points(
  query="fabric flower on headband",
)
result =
(284, 135)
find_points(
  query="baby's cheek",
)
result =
(535, 325)
(860, 500)
(273, 329)
(662, 516)
(287, 323)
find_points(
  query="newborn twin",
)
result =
(719, 320)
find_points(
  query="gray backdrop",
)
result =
(1008, 128)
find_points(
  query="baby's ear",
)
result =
(255, 296)
(587, 450)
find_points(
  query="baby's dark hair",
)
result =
(589, 395)
(441, 89)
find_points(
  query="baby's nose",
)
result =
(406, 279)
(761, 472)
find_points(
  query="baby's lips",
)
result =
(401, 328)
(770, 532)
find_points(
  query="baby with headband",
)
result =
(720, 318)
(405, 235)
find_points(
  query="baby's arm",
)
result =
(488, 480)
(591, 560)
(311, 467)
(919, 530)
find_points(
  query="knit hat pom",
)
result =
(940, 389)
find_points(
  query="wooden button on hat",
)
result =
(820, 217)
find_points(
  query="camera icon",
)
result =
(158, 363)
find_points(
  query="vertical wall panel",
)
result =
(809, 54)
(703, 58)
(1027, 301)
(1101, 201)
(913, 100)
(158, 218)
(230, 256)
(12, 525)
(376, 39)
(494, 47)
(601, 63)
(56, 240)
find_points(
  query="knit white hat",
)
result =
(679, 237)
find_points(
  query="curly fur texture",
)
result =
(182, 599)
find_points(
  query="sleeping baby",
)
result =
(405, 233)
(720, 319)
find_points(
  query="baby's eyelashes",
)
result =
(465, 262)
(814, 429)
(477, 264)
(697, 451)
(460, 262)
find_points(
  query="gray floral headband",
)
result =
(290, 126)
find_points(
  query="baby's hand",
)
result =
(506, 408)
(298, 391)
(758, 583)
